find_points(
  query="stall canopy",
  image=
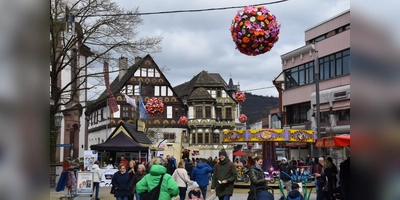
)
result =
(120, 142)
(239, 153)
(342, 140)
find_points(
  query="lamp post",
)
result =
(57, 121)
(316, 70)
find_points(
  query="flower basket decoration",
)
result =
(254, 30)
(242, 118)
(240, 97)
(183, 120)
(154, 107)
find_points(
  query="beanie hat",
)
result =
(222, 152)
(284, 159)
(195, 185)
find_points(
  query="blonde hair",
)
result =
(132, 161)
(181, 164)
(142, 166)
(156, 161)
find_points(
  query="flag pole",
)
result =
(108, 118)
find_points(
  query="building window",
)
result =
(206, 138)
(185, 137)
(213, 94)
(208, 112)
(176, 113)
(156, 91)
(218, 114)
(219, 93)
(169, 136)
(156, 74)
(143, 72)
(151, 72)
(215, 137)
(330, 66)
(169, 112)
(194, 138)
(228, 113)
(125, 111)
(297, 114)
(199, 138)
(199, 112)
(164, 91)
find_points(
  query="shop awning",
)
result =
(336, 141)
(322, 107)
(341, 105)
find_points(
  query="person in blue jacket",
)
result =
(121, 183)
(200, 175)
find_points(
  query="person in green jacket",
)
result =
(224, 177)
(169, 188)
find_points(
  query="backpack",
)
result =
(154, 193)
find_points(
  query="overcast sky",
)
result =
(198, 41)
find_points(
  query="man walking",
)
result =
(318, 174)
(224, 177)
(200, 175)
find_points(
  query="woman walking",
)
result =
(181, 177)
(169, 188)
(141, 172)
(120, 181)
(258, 180)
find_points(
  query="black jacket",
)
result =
(258, 182)
(285, 168)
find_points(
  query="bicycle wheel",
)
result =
(246, 178)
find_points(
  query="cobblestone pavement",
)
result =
(239, 194)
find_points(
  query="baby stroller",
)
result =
(261, 193)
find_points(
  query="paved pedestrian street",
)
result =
(238, 194)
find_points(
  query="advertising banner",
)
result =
(89, 157)
(84, 182)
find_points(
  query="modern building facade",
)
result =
(328, 43)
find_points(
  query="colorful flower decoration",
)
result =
(154, 107)
(183, 120)
(242, 118)
(240, 97)
(254, 30)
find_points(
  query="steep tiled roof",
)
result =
(200, 93)
(138, 136)
(203, 79)
(117, 84)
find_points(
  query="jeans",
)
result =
(122, 198)
(96, 186)
(226, 197)
(182, 193)
(138, 196)
(345, 185)
(204, 191)
(320, 193)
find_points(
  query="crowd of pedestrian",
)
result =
(190, 177)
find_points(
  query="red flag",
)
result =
(111, 100)
(113, 105)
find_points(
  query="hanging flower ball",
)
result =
(242, 118)
(183, 120)
(254, 30)
(240, 97)
(154, 107)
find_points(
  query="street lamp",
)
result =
(316, 74)
(57, 120)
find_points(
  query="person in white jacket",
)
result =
(96, 178)
(181, 177)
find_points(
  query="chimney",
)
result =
(123, 66)
(137, 59)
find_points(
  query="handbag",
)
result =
(112, 191)
(154, 193)
(325, 187)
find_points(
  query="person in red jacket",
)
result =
(124, 162)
